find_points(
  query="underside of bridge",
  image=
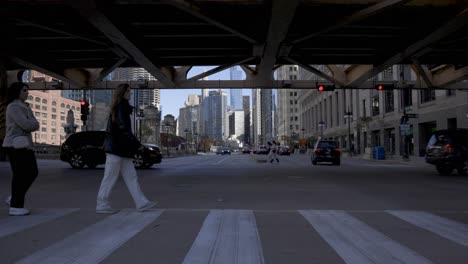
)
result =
(80, 42)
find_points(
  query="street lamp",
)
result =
(321, 124)
(348, 115)
(167, 125)
(196, 143)
(186, 139)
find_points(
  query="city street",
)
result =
(238, 209)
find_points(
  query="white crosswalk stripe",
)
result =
(357, 242)
(96, 242)
(449, 229)
(233, 236)
(227, 236)
(12, 225)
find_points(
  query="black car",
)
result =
(223, 150)
(326, 151)
(86, 148)
(284, 150)
(448, 150)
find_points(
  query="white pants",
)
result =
(116, 165)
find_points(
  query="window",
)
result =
(54, 116)
(427, 95)
(297, 127)
(54, 110)
(62, 105)
(290, 127)
(295, 101)
(37, 99)
(52, 137)
(62, 118)
(292, 110)
(292, 118)
(73, 108)
(44, 122)
(37, 107)
(291, 68)
(406, 97)
(54, 103)
(295, 118)
(54, 130)
(44, 108)
(290, 101)
(30, 97)
(291, 77)
(44, 136)
(31, 106)
(296, 110)
(364, 112)
(290, 93)
(389, 105)
(54, 123)
(44, 115)
(44, 101)
(68, 106)
(295, 93)
(451, 92)
(37, 114)
(43, 129)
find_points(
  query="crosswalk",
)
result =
(235, 236)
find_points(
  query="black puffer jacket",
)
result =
(121, 141)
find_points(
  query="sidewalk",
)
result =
(413, 160)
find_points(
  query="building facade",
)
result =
(214, 115)
(288, 124)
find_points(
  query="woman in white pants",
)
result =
(120, 146)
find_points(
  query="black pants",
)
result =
(24, 166)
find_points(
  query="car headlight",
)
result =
(151, 148)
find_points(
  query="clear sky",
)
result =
(172, 100)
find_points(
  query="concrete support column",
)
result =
(3, 98)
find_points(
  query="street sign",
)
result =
(405, 129)
(412, 115)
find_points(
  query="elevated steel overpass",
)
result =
(80, 42)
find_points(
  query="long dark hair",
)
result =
(117, 98)
(14, 91)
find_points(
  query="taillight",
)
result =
(318, 149)
(448, 148)
(337, 149)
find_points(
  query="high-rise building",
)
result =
(141, 98)
(214, 115)
(288, 114)
(246, 107)
(235, 94)
(189, 116)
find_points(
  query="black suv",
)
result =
(86, 148)
(326, 151)
(448, 150)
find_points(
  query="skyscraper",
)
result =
(214, 115)
(235, 94)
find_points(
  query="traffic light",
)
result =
(383, 87)
(322, 88)
(84, 110)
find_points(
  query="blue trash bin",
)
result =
(380, 153)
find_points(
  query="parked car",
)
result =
(86, 149)
(223, 150)
(448, 150)
(326, 151)
(284, 150)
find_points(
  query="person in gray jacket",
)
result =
(20, 122)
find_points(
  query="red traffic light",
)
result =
(322, 88)
(380, 87)
(83, 102)
(383, 87)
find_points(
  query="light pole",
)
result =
(348, 115)
(321, 125)
(196, 143)
(167, 125)
(186, 139)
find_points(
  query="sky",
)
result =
(172, 100)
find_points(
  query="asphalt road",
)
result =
(238, 209)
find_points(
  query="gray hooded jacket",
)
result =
(20, 121)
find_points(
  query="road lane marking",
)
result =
(95, 243)
(12, 224)
(227, 236)
(441, 226)
(356, 242)
(221, 161)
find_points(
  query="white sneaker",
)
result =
(107, 211)
(8, 200)
(147, 206)
(18, 211)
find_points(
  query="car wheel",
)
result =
(138, 160)
(76, 161)
(444, 170)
